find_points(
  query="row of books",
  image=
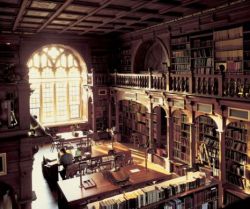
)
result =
(211, 143)
(235, 179)
(202, 43)
(203, 53)
(236, 145)
(180, 155)
(181, 60)
(237, 134)
(203, 62)
(152, 194)
(183, 53)
(183, 67)
(181, 147)
(234, 55)
(180, 40)
(181, 47)
(228, 34)
(235, 168)
(236, 156)
(229, 44)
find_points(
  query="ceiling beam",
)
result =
(138, 5)
(103, 4)
(135, 21)
(20, 13)
(58, 11)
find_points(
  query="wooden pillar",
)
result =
(150, 124)
(222, 163)
(93, 113)
(192, 150)
(170, 141)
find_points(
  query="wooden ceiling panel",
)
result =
(80, 9)
(43, 5)
(69, 16)
(33, 20)
(10, 1)
(37, 13)
(61, 22)
(29, 25)
(8, 10)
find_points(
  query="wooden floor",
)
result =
(47, 196)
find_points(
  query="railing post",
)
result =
(220, 84)
(150, 78)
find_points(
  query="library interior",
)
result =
(124, 104)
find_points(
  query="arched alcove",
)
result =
(56, 74)
(151, 54)
(207, 143)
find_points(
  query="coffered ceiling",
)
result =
(88, 17)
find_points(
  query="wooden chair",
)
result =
(72, 170)
(56, 144)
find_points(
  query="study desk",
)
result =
(50, 163)
(71, 196)
(76, 136)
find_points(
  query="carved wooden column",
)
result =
(25, 165)
(222, 162)
(170, 136)
(150, 124)
(192, 145)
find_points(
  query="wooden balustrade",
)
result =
(180, 82)
(236, 86)
(220, 85)
(207, 85)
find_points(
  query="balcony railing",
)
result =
(219, 85)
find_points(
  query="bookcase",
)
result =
(229, 50)
(202, 53)
(99, 60)
(181, 149)
(123, 55)
(185, 192)
(207, 138)
(133, 118)
(101, 114)
(246, 44)
(236, 139)
(180, 60)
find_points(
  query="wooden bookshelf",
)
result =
(180, 60)
(207, 139)
(123, 58)
(99, 60)
(246, 44)
(183, 192)
(133, 118)
(236, 153)
(181, 149)
(229, 50)
(202, 53)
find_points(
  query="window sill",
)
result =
(56, 124)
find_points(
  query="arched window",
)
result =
(55, 77)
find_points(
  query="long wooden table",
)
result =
(50, 164)
(70, 195)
